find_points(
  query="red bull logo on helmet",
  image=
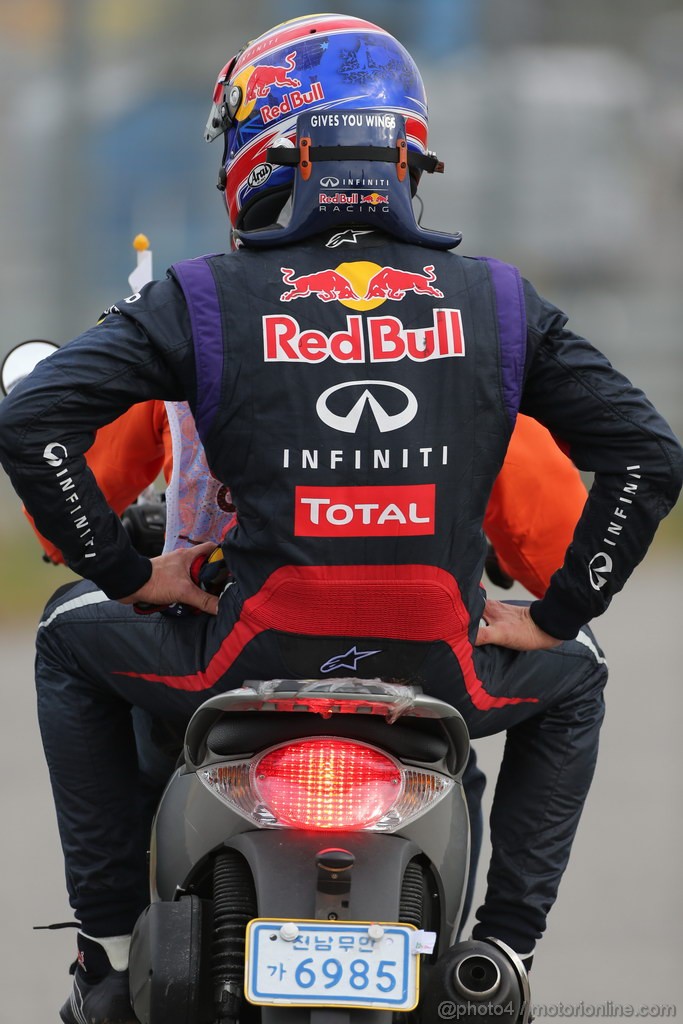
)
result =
(265, 76)
(375, 199)
(258, 80)
(293, 101)
(340, 198)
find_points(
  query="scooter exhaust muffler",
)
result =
(486, 979)
(477, 977)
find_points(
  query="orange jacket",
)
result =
(534, 505)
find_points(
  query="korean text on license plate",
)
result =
(318, 963)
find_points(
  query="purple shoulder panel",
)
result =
(512, 330)
(201, 296)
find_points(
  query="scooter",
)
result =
(309, 859)
(308, 865)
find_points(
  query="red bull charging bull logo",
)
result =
(360, 285)
(326, 285)
(257, 81)
(265, 76)
(375, 199)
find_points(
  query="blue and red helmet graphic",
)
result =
(320, 62)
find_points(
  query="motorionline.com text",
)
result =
(608, 1009)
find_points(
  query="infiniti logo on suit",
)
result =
(374, 397)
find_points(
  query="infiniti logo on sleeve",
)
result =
(374, 395)
(54, 454)
(599, 568)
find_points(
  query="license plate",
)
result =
(317, 963)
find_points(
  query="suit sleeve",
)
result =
(142, 350)
(534, 507)
(126, 457)
(610, 429)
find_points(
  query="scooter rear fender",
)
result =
(191, 824)
(285, 874)
(285, 871)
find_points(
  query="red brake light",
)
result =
(327, 784)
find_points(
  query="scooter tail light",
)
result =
(326, 783)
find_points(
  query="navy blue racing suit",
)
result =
(359, 410)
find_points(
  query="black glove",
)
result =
(145, 524)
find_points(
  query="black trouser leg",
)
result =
(544, 778)
(90, 748)
(85, 648)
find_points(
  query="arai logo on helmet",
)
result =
(259, 175)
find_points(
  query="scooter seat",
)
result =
(249, 732)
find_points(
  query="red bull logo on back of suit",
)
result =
(383, 283)
(362, 285)
(379, 339)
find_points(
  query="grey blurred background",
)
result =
(561, 125)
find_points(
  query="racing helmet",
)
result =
(329, 111)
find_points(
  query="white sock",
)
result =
(116, 947)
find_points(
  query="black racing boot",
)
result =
(100, 994)
(105, 1001)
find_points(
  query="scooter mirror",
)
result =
(23, 358)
